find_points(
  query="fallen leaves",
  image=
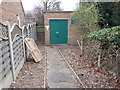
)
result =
(92, 77)
(31, 75)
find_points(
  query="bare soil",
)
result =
(91, 76)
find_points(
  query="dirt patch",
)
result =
(92, 77)
(30, 76)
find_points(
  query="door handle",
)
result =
(57, 34)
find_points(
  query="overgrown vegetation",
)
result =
(110, 37)
(86, 16)
(109, 14)
(100, 46)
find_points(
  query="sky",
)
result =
(67, 5)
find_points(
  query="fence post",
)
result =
(23, 36)
(28, 32)
(32, 33)
(11, 51)
(35, 31)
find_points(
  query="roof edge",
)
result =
(22, 7)
(58, 11)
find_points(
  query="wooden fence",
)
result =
(13, 52)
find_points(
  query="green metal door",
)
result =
(58, 31)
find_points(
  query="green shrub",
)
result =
(109, 37)
(109, 14)
(86, 17)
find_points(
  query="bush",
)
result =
(109, 37)
(109, 14)
(106, 44)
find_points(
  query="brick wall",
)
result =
(73, 32)
(0, 13)
(10, 10)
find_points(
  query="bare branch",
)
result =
(45, 5)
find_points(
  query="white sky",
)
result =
(67, 5)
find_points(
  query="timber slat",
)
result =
(35, 52)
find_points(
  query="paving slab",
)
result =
(58, 73)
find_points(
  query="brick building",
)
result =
(10, 10)
(59, 28)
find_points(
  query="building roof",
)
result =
(14, 1)
(22, 8)
(58, 11)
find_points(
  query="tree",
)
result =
(45, 5)
(110, 15)
(39, 17)
(50, 5)
(86, 16)
(56, 6)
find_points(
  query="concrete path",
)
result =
(58, 73)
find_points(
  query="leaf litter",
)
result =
(91, 76)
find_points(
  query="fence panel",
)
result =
(32, 31)
(18, 48)
(13, 51)
(5, 59)
(18, 51)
